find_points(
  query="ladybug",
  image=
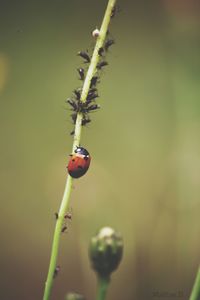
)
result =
(79, 162)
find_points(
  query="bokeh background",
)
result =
(144, 179)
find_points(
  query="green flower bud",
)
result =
(105, 251)
(74, 296)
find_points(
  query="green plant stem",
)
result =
(195, 294)
(103, 283)
(77, 136)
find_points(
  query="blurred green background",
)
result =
(144, 178)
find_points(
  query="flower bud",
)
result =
(105, 251)
(74, 296)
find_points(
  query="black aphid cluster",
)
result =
(90, 105)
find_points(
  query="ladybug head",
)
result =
(82, 151)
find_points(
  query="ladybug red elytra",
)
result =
(79, 162)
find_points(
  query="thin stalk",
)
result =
(195, 294)
(77, 136)
(103, 283)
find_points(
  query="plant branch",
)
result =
(195, 294)
(77, 136)
(103, 283)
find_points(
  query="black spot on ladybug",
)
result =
(80, 167)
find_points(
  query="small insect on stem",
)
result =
(102, 64)
(64, 228)
(74, 116)
(100, 51)
(94, 81)
(81, 73)
(84, 55)
(77, 93)
(93, 107)
(92, 96)
(56, 215)
(85, 120)
(73, 104)
(113, 12)
(68, 216)
(108, 43)
(92, 90)
(56, 271)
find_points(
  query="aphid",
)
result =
(56, 271)
(82, 107)
(94, 81)
(84, 55)
(93, 107)
(102, 64)
(92, 96)
(77, 93)
(73, 104)
(79, 162)
(92, 90)
(81, 73)
(108, 43)
(68, 216)
(100, 51)
(56, 215)
(113, 12)
(64, 228)
(88, 102)
(74, 116)
(85, 120)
